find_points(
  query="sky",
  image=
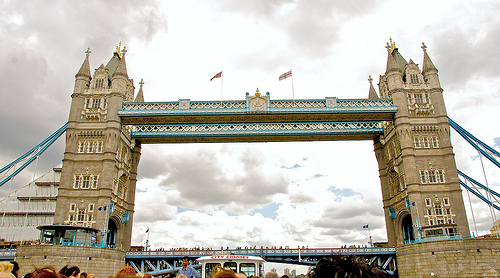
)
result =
(315, 194)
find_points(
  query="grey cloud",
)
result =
(465, 53)
(42, 49)
(201, 182)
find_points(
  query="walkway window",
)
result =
(435, 143)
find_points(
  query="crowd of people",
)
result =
(341, 266)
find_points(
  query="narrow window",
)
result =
(81, 146)
(446, 201)
(86, 182)
(416, 142)
(95, 181)
(440, 174)
(96, 103)
(435, 143)
(77, 182)
(419, 98)
(91, 207)
(81, 215)
(437, 209)
(99, 147)
(423, 178)
(90, 147)
(432, 177)
(427, 201)
(425, 141)
(72, 207)
(104, 103)
(87, 103)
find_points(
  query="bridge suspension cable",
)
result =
(491, 154)
(30, 155)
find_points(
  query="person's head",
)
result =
(185, 261)
(83, 274)
(241, 275)
(171, 275)
(125, 272)
(6, 266)
(47, 272)
(70, 270)
(147, 275)
(15, 270)
(271, 274)
(220, 272)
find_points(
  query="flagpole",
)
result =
(147, 240)
(293, 93)
(221, 87)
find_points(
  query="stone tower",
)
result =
(99, 174)
(420, 186)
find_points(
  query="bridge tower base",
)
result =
(102, 262)
(471, 257)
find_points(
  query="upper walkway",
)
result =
(257, 119)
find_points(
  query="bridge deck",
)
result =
(187, 121)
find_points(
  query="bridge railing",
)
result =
(263, 252)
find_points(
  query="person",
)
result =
(271, 274)
(187, 270)
(47, 272)
(6, 270)
(346, 266)
(126, 272)
(219, 272)
(70, 271)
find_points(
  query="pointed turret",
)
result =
(393, 70)
(372, 93)
(429, 71)
(140, 94)
(121, 69)
(82, 78)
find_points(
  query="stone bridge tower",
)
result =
(420, 186)
(99, 175)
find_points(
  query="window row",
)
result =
(96, 102)
(438, 210)
(85, 181)
(440, 221)
(30, 221)
(432, 176)
(419, 98)
(425, 142)
(90, 146)
(90, 207)
(446, 201)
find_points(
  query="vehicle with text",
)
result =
(248, 265)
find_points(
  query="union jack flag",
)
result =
(286, 75)
(218, 75)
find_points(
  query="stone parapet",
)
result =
(474, 257)
(102, 262)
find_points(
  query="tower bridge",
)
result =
(406, 120)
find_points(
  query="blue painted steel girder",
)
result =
(257, 132)
(196, 112)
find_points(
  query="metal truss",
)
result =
(30, 155)
(276, 106)
(490, 197)
(163, 262)
(252, 131)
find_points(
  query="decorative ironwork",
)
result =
(256, 129)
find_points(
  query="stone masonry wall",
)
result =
(102, 262)
(450, 258)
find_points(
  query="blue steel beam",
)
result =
(476, 143)
(37, 150)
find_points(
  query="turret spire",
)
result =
(372, 93)
(140, 94)
(85, 68)
(427, 66)
(121, 69)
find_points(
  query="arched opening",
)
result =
(111, 237)
(407, 226)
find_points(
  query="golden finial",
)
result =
(393, 45)
(257, 92)
(88, 52)
(118, 49)
(370, 79)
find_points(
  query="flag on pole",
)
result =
(365, 226)
(285, 75)
(218, 75)
(147, 231)
(102, 208)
